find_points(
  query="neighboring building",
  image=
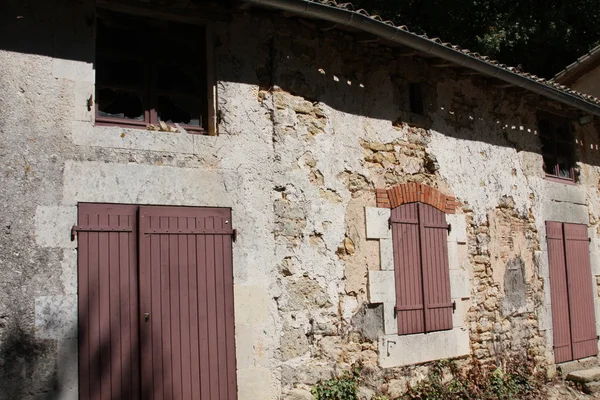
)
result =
(324, 189)
(584, 74)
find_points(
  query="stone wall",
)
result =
(311, 123)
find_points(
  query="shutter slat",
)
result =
(581, 296)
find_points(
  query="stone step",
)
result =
(585, 363)
(587, 379)
(585, 375)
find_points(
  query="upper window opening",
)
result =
(151, 71)
(557, 147)
(415, 97)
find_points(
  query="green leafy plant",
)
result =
(344, 387)
(515, 380)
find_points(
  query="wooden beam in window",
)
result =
(211, 82)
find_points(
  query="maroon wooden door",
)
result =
(581, 295)
(423, 299)
(108, 302)
(571, 292)
(186, 304)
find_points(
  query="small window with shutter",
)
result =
(423, 300)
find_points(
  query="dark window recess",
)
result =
(148, 71)
(415, 97)
(557, 147)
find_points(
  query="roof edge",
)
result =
(390, 32)
(580, 67)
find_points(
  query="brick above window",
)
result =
(416, 192)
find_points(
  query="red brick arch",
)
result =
(416, 192)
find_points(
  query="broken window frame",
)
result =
(150, 91)
(557, 123)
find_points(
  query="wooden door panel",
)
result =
(187, 290)
(561, 325)
(581, 296)
(108, 302)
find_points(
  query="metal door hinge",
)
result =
(453, 307)
(234, 235)
(449, 228)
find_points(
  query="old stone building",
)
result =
(209, 198)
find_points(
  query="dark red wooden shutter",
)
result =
(186, 283)
(581, 296)
(407, 266)
(558, 292)
(436, 271)
(108, 302)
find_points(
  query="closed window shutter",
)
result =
(558, 292)
(436, 271)
(108, 301)
(407, 266)
(581, 296)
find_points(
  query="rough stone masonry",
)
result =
(311, 123)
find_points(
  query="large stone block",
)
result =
(458, 231)
(565, 212)
(53, 226)
(84, 134)
(453, 256)
(67, 369)
(244, 346)
(251, 305)
(146, 184)
(73, 70)
(378, 223)
(564, 193)
(382, 287)
(254, 384)
(460, 284)
(390, 324)
(56, 317)
(386, 254)
(399, 350)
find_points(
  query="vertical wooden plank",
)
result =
(184, 310)
(104, 303)
(220, 309)
(83, 281)
(148, 251)
(203, 321)
(211, 296)
(114, 305)
(559, 293)
(165, 313)
(174, 308)
(229, 312)
(94, 310)
(581, 297)
(193, 309)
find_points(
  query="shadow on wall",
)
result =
(303, 64)
(26, 364)
(47, 369)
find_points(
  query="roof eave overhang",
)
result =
(388, 32)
